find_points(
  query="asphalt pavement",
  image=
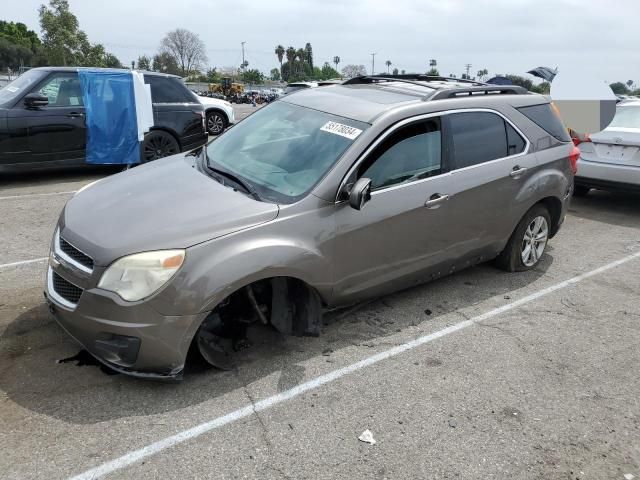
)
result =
(479, 375)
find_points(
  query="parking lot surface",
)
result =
(482, 374)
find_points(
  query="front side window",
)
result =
(479, 137)
(62, 90)
(283, 150)
(410, 153)
(21, 85)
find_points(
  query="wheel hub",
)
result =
(535, 240)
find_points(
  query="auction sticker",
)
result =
(340, 129)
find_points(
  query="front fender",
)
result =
(214, 270)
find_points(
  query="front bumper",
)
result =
(130, 337)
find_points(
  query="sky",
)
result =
(596, 38)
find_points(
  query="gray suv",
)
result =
(323, 198)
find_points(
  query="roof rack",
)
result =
(471, 91)
(414, 78)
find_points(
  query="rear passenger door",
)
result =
(491, 169)
(173, 107)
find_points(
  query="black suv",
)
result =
(42, 119)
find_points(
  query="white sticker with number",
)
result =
(340, 129)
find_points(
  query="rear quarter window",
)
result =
(169, 90)
(546, 118)
(478, 137)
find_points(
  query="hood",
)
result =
(161, 205)
(208, 101)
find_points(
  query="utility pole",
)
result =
(468, 67)
(373, 63)
(243, 65)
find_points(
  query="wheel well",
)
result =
(554, 207)
(161, 129)
(214, 109)
(291, 305)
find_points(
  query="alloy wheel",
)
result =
(215, 124)
(159, 146)
(534, 241)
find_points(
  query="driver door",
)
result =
(400, 233)
(57, 132)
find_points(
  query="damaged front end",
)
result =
(286, 304)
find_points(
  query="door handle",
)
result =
(75, 114)
(436, 200)
(517, 171)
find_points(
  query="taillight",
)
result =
(579, 138)
(573, 159)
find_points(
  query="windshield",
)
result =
(626, 117)
(283, 150)
(14, 90)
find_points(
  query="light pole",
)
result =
(243, 65)
(373, 63)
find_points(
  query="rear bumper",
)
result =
(133, 339)
(608, 176)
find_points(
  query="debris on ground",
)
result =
(453, 423)
(629, 476)
(367, 437)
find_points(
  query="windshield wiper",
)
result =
(245, 186)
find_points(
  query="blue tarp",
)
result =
(112, 128)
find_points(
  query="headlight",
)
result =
(137, 276)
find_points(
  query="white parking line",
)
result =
(26, 195)
(181, 437)
(23, 262)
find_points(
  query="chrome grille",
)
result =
(76, 254)
(65, 289)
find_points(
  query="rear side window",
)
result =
(515, 143)
(168, 90)
(544, 116)
(477, 137)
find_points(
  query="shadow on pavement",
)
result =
(33, 344)
(613, 208)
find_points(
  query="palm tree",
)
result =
(280, 53)
(301, 53)
(336, 60)
(388, 64)
(291, 56)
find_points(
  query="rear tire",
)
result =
(158, 144)
(580, 190)
(527, 243)
(216, 123)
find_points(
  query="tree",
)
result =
(12, 55)
(144, 63)
(275, 74)
(482, 74)
(327, 72)
(252, 76)
(388, 64)
(395, 71)
(336, 61)
(163, 62)
(619, 88)
(63, 41)
(520, 81)
(308, 53)
(433, 72)
(351, 71)
(630, 84)
(279, 51)
(19, 34)
(186, 48)
(543, 87)
(402, 72)
(212, 75)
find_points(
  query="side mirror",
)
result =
(36, 100)
(360, 193)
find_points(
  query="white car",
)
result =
(610, 159)
(219, 114)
